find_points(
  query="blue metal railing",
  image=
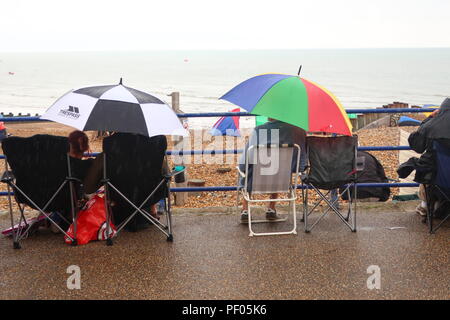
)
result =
(349, 111)
(237, 151)
(234, 188)
(246, 114)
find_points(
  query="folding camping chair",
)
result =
(268, 169)
(133, 180)
(40, 172)
(332, 164)
(439, 189)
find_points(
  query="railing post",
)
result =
(354, 122)
(180, 197)
(360, 122)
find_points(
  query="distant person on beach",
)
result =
(287, 134)
(434, 128)
(3, 133)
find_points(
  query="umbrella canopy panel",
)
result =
(228, 126)
(115, 108)
(407, 121)
(293, 100)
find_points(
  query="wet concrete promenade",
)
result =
(212, 257)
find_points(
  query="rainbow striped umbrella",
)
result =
(293, 100)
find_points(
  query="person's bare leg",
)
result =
(272, 203)
(422, 207)
(153, 211)
(244, 205)
(244, 212)
(271, 213)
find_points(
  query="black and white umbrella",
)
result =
(115, 108)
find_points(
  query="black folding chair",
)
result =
(332, 164)
(439, 189)
(39, 171)
(133, 181)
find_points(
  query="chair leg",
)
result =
(107, 201)
(430, 206)
(306, 211)
(331, 207)
(350, 202)
(169, 218)
(166, 227)
(354, 218)
(302, 219)
(355, 200)
(445, 198)
(250, 219)
(294, 215)
(73, 212)
(237, 201)
(16, 244)
(251, 233)
(430, 220)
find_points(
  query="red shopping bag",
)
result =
(91, 222)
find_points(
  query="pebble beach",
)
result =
(209, 173)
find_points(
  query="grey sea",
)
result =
(360, 78)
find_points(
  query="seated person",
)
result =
(78, 145)
(94, 175)
(288, 134)
(135, 166)
(435, 128)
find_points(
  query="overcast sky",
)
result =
(49, 25)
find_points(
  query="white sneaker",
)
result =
(272, 215)
(244, 216)
(421, 210)
(54, 229)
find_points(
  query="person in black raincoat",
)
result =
(435, 128)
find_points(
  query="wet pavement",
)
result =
(212, 257)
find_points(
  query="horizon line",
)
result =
(216, 49)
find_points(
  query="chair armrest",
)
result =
(7, 176)
(175, 171)
(240, 172)
(74, 179)
(303, 175)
